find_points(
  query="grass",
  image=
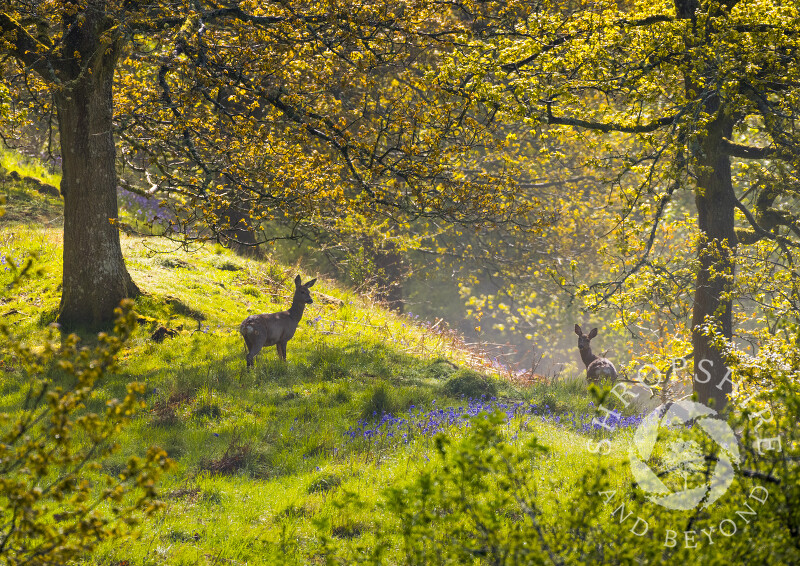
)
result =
(28, 167)
(263, 455)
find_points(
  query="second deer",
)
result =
(597, 367)
(276, 329)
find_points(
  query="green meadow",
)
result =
(360, 448)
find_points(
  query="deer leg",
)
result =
(281, 347)
(249, 347)
(254, 349)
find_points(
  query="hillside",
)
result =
(283, 433)
(303, 461)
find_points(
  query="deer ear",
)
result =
(578, 330)
(592, 333)
(311, 283)
(297, 281)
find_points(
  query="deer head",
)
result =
(301, 291)
(584, 339)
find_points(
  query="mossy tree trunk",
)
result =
(95, 278)
(715, 200)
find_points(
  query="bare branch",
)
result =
(610, 126)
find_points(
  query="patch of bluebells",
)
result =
(148, 208)
(18, 261)
(419, 423)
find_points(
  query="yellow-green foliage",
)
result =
(55, 503)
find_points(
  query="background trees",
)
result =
(665, 98)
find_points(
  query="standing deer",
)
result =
(276, 329)
(597, 367)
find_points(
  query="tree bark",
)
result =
(390, 272)
(715, 201)
(238, 234)
(95, 278)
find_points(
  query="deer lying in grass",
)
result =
(276, 329)
(597, 367)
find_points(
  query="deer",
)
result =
(597, 367)
(276, 329)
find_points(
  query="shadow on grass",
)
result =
(216, 416)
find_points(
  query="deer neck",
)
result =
(296, 310)
(587, 356)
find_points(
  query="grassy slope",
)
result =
(260, 453)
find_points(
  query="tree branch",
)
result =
(610, 126)
(509, 67)
(751, 152)
(784, 243)
(26, 48)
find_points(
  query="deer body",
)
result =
(275, 329)
(597, 367)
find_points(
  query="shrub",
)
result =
(470, 384)
(52, 451)
(483, 500)
(440, 368)
(482, 503)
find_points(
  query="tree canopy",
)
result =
(665, 97)
(509, 132)
(319, 113)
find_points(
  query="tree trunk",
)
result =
(95, 278)
(390, 272)
(238, 234)
(715, 200)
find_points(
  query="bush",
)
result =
(52, 450)
(483, 500)
(470, 384)
(480, 502)
(440, 368)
